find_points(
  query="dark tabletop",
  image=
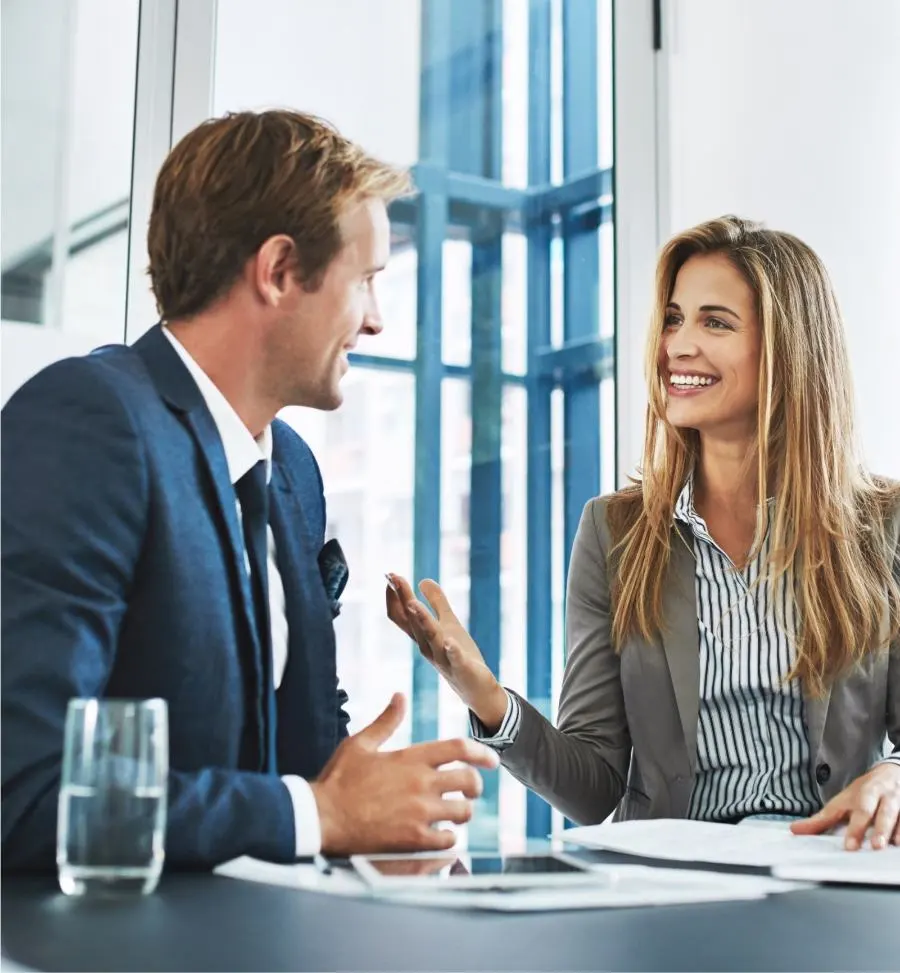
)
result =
(205, 922)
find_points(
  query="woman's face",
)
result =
(709, 356)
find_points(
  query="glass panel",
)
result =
(608, 482)
(69, 72)
(515, 93)
(395, 289)
(514, 303)
(556, 92)
(560, 557)
(456, 340)
(456, 472)
(355, 63)
(605, 148)
(607, 302)
(365, 451)
(513, 585)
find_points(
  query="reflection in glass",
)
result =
(69, 71)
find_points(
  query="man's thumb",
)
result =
(384, 725)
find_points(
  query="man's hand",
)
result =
(871, 801)
(370, 801)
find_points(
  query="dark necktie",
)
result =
(253, 494)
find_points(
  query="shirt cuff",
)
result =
(509, 728)
(307, 830)
(893, 758)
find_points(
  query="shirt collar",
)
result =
(684, 507)
(242, 451)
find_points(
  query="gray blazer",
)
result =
(626, 738)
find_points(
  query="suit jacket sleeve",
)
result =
(75, 502)
(580, 766)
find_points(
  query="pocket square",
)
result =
(334, 571)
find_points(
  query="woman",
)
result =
(732, 619)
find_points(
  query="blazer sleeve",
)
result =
(581, 765)
(74, 513)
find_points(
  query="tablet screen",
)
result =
(487, 864)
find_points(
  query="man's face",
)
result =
(309, 345)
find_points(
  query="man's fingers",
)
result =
(440, 752)
(384, 726)
(458, 811)
(463, 779)
(435, 597)
(436, 839)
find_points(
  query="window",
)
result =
(69, 74)
(478, 424)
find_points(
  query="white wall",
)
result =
(786, 111)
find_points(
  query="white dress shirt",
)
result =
(242, 453)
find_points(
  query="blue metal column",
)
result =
(476, 149)
(539, 472)
(582, 260)
(431, 227)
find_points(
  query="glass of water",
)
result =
(112, 800)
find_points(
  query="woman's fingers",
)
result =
(435, 597)
(887, 820)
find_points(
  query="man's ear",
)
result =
(274, 269)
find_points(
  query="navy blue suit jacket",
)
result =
(123, 576)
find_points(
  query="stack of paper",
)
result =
(794, 856)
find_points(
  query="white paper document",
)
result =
(617, 887)
(852, 869)
(725, 844)
(306, 877)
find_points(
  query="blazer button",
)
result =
(823, 774)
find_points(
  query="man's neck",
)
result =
(219, 345)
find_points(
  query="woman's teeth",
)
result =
(685, 380)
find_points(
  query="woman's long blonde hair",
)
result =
(830, 533)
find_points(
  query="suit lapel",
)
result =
(307, 713)
(816, 714)
(681, 638)
(180, 391)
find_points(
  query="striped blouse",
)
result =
(752, 746)
(753, 754)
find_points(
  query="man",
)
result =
(163, 531)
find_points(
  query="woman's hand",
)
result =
(871, 801)
(448, 647)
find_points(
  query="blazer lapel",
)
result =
(307, 711)
(816, 714)
(681, 637)
(180, 391)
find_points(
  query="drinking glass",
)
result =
(112, 800)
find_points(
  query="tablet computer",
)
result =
(473, 870)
